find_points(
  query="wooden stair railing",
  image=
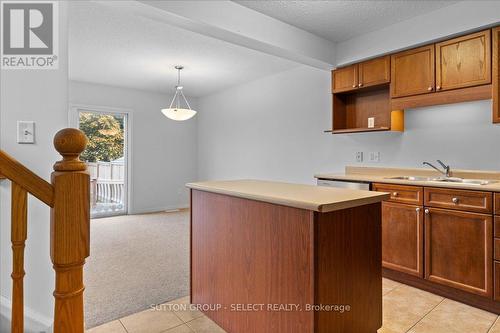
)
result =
(68, 195)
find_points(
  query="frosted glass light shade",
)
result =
(178, 114)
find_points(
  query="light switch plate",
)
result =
(26, 132)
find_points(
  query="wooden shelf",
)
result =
(360, 130)
(352, 110)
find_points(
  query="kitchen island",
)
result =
(278, 257)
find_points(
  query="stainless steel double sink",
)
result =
(445, 180)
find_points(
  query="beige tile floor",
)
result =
(405, 309)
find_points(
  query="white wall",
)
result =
(276, 122)
(272, 128)
(41, 96)
(163, 151)
(447, 21)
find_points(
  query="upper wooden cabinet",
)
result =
(365, 74)
(461, 69)
(464, 61)
(412, 72)
(374, 72)
(496, 75)
(345, 79)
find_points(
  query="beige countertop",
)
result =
(381, 175)
(310, 197)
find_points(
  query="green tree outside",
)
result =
(105, 133)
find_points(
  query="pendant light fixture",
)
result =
(175, 111)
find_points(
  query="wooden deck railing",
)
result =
(68, 197)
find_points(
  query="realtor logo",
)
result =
(29, 35)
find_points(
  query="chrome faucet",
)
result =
(446, 168)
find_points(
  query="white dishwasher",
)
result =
(343, 184)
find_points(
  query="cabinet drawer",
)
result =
(412, 195)
(473, 201)
(497, 203)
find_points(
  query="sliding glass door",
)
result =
(106, 159)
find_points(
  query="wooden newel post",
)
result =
(69, 230)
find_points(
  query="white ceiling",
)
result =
(341, 20)
(113, 47)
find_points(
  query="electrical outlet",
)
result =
(359, 156)
(371, 122)
(375, 156)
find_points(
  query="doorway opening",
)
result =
(106, 157)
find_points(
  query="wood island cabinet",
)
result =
(258, 245)
(464, 61)
(402, 238)
(458, 250)
(412, 72)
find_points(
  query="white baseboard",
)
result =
(157, 209)
(33, 321)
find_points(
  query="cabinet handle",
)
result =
(454, 200)
(427, 212)
(417, 209)
(429, 89)
(360, 85)
(395, 194)
(354, 86)
(438, 88)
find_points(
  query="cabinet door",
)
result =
(402, 238)
(458, 250)
(496, 75)
(464, 61)
(375, 72)
(345, 79)
(412, 72)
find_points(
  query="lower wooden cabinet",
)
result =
(402, 238)
(458, 250)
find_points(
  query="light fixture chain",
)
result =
(185, 100)
(173, 99)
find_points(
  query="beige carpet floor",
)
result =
(135, 261)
